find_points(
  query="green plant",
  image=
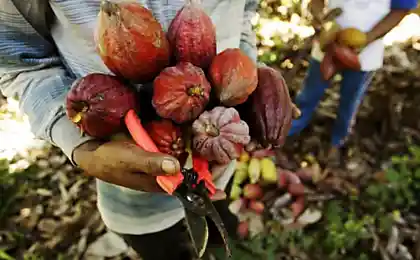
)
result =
(5, 256)
(32, 256)
(344, 232)
(401, 184)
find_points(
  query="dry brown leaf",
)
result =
(380, 176)
(48, 225)
(108, 245)
(256, 225)
(53, 242)
(44, 192)
(339, 185)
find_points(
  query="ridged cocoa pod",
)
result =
(328, 66)
(234, 76)
(192, 35)
(269, 109)
(346, 57)
(130, 41)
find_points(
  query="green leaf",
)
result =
(385, 223)
(307, 242)
(5, 256)
(396, 159)
(417, 174)
(415, 151)
(373, 190)
(392, 175)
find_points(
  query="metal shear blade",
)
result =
(199, 232)
(198, 207)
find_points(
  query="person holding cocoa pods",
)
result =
(45, 46)
(351, 45)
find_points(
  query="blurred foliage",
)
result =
(402, 183)
(282, 48)
(350, 224)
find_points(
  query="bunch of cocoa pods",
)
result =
(255, 171)
(204, 102)
(223, 98)
(338, 57)
(342, 52)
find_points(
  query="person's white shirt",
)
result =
(363, 15)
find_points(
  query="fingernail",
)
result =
(168, 166)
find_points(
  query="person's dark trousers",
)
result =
(174, 243)
(353, 87)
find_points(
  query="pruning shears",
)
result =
(194, 187)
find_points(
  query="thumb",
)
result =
(154, 163)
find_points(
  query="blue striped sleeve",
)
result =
(248, 37)
(403, 4)
(31, 70)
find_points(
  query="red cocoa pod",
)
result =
(234, 76)
(346, 57)
(180, 93)
(167, 137)
(296, 189)
(328, 67)
(269, 110)
(282, 178)
(298, 206)
(131, 42)
(243, 229)
(192, 35)
(97, 104)
(252, 191)
(220, 135)
(292, 177)
(257, 206)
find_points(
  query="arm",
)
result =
(248, 42)
(399, 9)
(30, 69)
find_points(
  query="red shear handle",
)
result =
(142, 139)
(201, 166)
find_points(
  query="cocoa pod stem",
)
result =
(211, 130)
(108, 7)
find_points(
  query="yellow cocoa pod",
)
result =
(241, 166)
(244, 157)
(268, 170)
(254, 170)
(352, 37)
(240, 176)
(328, 33)
(235, 192)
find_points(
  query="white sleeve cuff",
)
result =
(67, 136)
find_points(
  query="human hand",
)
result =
(369, 39)
(123, 163)
(328, 34)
